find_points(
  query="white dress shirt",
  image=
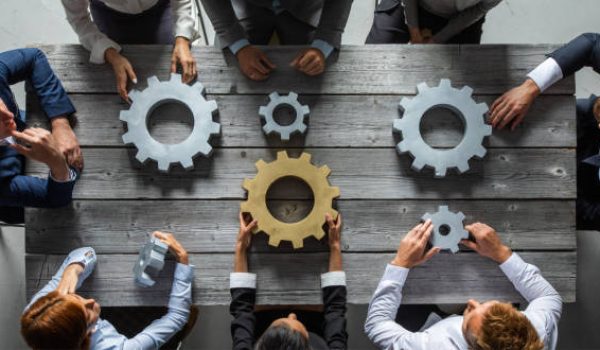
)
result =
(546, 74)
(544, 310)
(78, 15)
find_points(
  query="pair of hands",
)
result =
(124, 70)
(70, 277)
(412, 249)
(420, 36)
(57, 149)
(255, 65)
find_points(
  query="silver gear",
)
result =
(454, 224)
(458, 101)
(152, 256)
(284, 131)
(156, 94)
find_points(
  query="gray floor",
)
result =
(27, 22)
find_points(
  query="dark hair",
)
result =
(281, 337)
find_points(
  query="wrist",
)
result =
(110, 55)
(503, 254)
(400, 262)
(533, 90)
(60, 122)
(182, 257)
(59, 169)
(181, 40)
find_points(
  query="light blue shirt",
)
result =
(104, 335)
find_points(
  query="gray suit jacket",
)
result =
(328, 16)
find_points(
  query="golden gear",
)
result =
(301, 168)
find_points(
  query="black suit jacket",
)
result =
(244, 320)
(583, 51)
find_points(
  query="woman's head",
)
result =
(284, 333)
(58, 321)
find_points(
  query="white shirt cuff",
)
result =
(238, 45)
(7, 141)
(323, 46)
(513, 266)
(72, 176)
(242, 280)
(100, 46)
(395, 273)
(333, 278)
(546, 74)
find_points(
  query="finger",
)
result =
(339, 221)
(427, 229)
(414, 231)
(131, 74)
(510, 115)
(495, 114)
(24, 136)
(305, 60)
(294, 62)
(329, 219)
(496, 103)
(174, 65)
(312, 65)
(431, 253)
(316, 71)
(21, 149)
(517, 121)
(252, 225)
(503, 115)
(469, 244)
(194, 69)
(260, 67)
(257, 76)
(265, 60)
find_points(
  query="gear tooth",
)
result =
(206, 149)
(325, 170)
(445, 83)
(405, 103)
(293, 95)
(267, 128)
(163, 166)
(125, 116)
(153, 80)
(426, 217)
(260, 164)
(454, 249)
(305, 110)
(480, 152)
(273, 241)
(462, 167)
(417, 165)
(318, 232)
(335, 192)
(467, 91)
(212, 106)
(248, 184)
(284, 135)
(134, 94)
(482, 108)
(460, 215)
(274, 95)
(187, 164)
(486, 130)
(282, 155)
(440, 171)
(443, 208)
(215, 128)
(175, 77)
(141, 157)
(200, 88)
(422, 87)
(306, 157)
(127, 138)
(398, 124)
(402, 147)
(302, 128)
(262, 111)
(298, 243)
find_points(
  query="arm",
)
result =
(180, 301)
(89, 35)
(583, 51)
(184, 22)
(464, 19)
(31, 191)
(184, 35)
(84, 257)
(411, 14)
(334, 17)
(224, 21)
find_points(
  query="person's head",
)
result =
(58, 321)
(284, 333)
(596, 111)
(494, 325)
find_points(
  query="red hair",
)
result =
(55, 322)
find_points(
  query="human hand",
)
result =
(487, 243)
(183, 55)
(7, 121)
(596, 111)
(254, 64)
(67, 142)
(310, 61)
(244, 236)
(39, 144)
(411, 251)
(334, 231)
(69, 279)
(123, 71)
(174, 246)
(415, 35)
(513, 105)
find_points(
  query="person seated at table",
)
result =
(512, 107)
(58, 149)
(58, 318)
(241, 24)
(102, 25)
(429, 21)
(288, 332)
(489, 325)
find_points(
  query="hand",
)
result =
(335, 236)
(254, 63)
(7, 121)
(69, 279)
(244, 236)
(310, 62)
(183, 55)
(596, 111)
(411, 251)
(174, 246)
(67, 142)
(123, 71)
(513, 105)
(415, 35)
(487, 243)
(39, 144)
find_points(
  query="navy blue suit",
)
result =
(584, 51)
(18, 191)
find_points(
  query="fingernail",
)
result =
(134, 81)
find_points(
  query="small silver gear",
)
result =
(284, 131)
(156, 94)
(459, 102)
(152, 256)
(453, 223)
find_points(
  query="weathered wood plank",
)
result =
(211, 226)
(335, 121)
(360, 174)
(294, 278)
(372, 69)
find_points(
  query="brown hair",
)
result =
(505, 328)
(55, 322)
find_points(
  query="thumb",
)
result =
(295, 61)
(469, 244)
(433, 251)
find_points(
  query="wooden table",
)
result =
(525, 187)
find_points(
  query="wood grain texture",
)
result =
(372, 69)
(335, 121)
(360, 174)
(294, 278)
(211, 226)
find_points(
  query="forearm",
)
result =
(224, 21)
(580, 52)
(240, 260)
(184, 22)
(334, 17)
(31, 191)
(411, 13)
(335, 259)
(462, 21)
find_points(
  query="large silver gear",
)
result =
(156, 94)
(453, 222)
(458, 101)
(284, 131)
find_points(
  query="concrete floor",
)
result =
(513, 21)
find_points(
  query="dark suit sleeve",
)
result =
(578, 53)
(242, 310)
(224, 21)
(334, 332)
(31, 191)
(334, 17)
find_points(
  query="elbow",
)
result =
(55, 202)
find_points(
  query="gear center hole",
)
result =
(170, 122)
(284, 114)
(290, 199)
(444, 230)
(442, 127)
